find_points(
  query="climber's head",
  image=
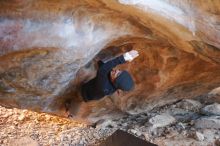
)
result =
(122, 80)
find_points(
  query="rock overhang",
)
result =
(44, 44)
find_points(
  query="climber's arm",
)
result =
(128, 56)
(106, 67)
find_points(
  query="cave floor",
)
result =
(180, 123)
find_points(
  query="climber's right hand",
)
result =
(129, 56)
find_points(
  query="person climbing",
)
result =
(108, 80)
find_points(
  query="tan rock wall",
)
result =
(43, 44)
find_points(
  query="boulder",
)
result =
(183, 115)
(136, 132)
(199, 136)
(106, 124)
(213, 109)
(161, 120)
(24, 141)
(214, 95)
(210, 134)
(208, 122)
(189, 104)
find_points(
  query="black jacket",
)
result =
(101, 85)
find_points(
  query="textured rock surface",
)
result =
(162, 120)
(51, 130)
(198, 136)
(34, 128)
(213, 109)
(188, 104)
(208, 122)
(24, 141)
(48, 48)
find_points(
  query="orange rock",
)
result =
(48, 48)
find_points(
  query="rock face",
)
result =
(154, 126)
(208, 122)
(188, 104)
(162, 120)
(25, 141)
(213, 109)
(199, 136)
(48, 48)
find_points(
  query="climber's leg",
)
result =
(67, 107)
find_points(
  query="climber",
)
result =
(108, 80)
